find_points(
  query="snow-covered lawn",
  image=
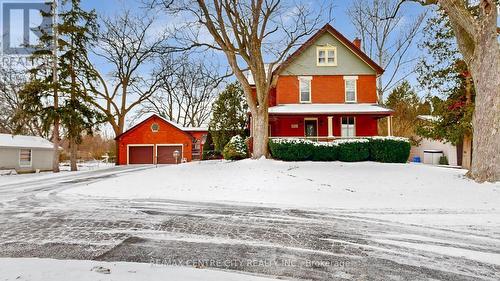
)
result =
(28, 269)
(7, 177)
(310, 185)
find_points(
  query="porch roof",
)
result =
(330, 108)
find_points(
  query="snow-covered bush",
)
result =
(382, 149)
(235, 149)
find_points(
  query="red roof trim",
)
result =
(350, 45)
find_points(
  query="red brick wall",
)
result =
(281, 126)
(142, 134)
(326, 89)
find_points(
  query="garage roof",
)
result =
(8, 140)
(178, 126)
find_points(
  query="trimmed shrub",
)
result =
(443, 160)
(291, 149)
(353, 150)
(325, 152)
(211, 155)
(389, 149)
(235, 149)
(381, 149)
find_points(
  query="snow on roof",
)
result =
(430, 118)
(249, 74)
(195, 129)
(182, 128)
(8, 140)
(329, 108)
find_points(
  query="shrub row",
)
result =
(381, 149)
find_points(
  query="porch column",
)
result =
(389, 125)
(330, 126)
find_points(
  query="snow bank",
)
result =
(312, 185)
(31, 269)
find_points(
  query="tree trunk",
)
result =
(485, 69)
(73, 154)
(55, 136)
(467, 140)
(118, 131)
(486, 120)
(466, 152)
(260, 123)
(55, 141)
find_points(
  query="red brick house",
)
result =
(154, 141)
(328, 89)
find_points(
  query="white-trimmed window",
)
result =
(305, 89)
(351, 89)
(348, 126)
(326, 56)
(25, 157)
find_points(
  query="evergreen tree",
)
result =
(407, 106)
(229, 116)
(208, 148)
(444, 73)
(62, 99)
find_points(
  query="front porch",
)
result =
(326, 121)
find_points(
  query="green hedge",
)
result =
(291, 150)
(354, 151)
(389, 149)
(381, 149)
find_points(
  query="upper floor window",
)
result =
(326, 56)
(350, 88)
(305, 88)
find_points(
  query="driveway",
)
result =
(38, 221)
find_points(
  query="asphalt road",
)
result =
(37, 221)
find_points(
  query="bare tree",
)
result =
(247, 32)
(13, 77)
(386, 40)
(476, 31)
(188, 90)
(127, 44)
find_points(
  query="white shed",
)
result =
(25, 153)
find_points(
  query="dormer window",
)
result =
(326, 56)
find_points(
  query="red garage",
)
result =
(156, 140)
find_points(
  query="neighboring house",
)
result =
(25, 153)
(426, 148)
(327, 88)
(154, 141)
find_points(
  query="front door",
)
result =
(311, 127)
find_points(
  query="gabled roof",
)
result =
(177, 126)
(335, 33)
(20, 141)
